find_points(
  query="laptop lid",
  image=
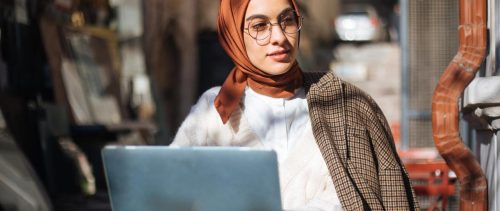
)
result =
(151, 178)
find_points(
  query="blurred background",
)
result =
(77, 75)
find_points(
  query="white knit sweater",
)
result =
(304, 178)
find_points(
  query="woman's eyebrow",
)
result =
(285, 10)
(265, 17)
(256, 16)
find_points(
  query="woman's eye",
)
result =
(287, 21)
(259, 26)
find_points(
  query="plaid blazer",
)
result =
(357, 145)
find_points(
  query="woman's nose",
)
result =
(277, 34)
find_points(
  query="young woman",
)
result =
(334, 147)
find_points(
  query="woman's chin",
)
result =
(277, 68)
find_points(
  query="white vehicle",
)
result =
(359, 23)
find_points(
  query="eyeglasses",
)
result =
(260, 28)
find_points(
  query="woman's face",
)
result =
(275, 53)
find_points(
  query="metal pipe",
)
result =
(445, 108)
(405, 73)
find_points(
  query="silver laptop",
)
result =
(151, 178)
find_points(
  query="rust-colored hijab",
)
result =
(230, 27)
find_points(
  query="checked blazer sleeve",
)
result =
(356, 143)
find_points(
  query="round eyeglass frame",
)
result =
(300, 21)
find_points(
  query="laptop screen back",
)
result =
(204, 178)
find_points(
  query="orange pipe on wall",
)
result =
(445, 108)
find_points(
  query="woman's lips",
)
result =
(279, 56)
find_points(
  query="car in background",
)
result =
(360, 22)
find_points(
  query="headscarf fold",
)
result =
(230, 28)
